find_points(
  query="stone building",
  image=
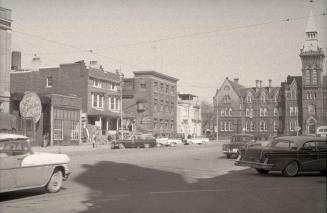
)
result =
(254, 110)
(150, 99)
(5, 58)
(189, 115)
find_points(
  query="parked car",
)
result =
(197, 140)
(175, 142)
(21, 168)
(162, 141)
(321, 131)
(288, 154)
(237, 142)
(135, 141)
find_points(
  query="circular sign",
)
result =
(30, 106)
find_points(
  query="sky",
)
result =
(200, 42)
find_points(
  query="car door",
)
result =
(309, 157)
(8, 166)
(322, 153)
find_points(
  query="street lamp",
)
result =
(121, 75)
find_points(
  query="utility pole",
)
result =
(121, 75)
(217, 119)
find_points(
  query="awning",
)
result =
(94, 112)
(7, 121)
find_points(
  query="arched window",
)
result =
(249, 98)
(230, 112)
(307, 77)
(265, 112)
(275, 112)
(314, 77)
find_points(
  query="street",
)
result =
(194, 178)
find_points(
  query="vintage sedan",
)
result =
(21, 168)
(288, 154)
(135, 141)
(237, 142)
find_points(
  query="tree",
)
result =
(208, 116)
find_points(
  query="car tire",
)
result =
(291, 169)
(55, 181)
(262, 171)
(121, 146)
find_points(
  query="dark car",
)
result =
(288, 154)
(135, 141)
(237, 142)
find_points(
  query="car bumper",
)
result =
(255, 165)
(230, 152)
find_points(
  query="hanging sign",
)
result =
(30, 106)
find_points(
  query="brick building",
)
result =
(189, 115)
(97, 90)
(150, 98)
(253, 110)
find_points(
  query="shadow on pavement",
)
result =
(21, 194)
(120, 187)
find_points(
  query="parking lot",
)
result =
(193, 178)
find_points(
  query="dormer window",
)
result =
(96, 83)
(49, 82)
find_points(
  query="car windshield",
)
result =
(282, 144)
(15, 147)
(236, 139)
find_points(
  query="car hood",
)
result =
(43, 158)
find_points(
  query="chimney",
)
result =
(236, 80)
(269, 82)
(16, 60)
(260, 82)
(256, 83)
(36, 63)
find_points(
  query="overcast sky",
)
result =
(240, 46)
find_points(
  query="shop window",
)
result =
(58, 129)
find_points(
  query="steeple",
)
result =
(311, 42)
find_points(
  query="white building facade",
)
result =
(5, 58)
(188, 115)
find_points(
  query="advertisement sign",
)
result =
(30, 106)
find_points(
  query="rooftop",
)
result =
(156, 74)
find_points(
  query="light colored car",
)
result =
(175, 142)
(198, 140)
(321, 131)
(21, 168)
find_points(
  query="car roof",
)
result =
(7, 136)
(300, 140)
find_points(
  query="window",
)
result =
(96, 83)
(275, 126)
(161, 87)
(265, 112)
(167, 89)
(307, 77)
(114, 103)
(172, 90)
(251, 126)
(247, 126)
(74, 129)
(275, 112)
(225, 126)
(49, 82)
(251, 112)
(155, 86)
(142, 84)
(222, 113)
(58, 129)
(227, 88)
(295, 111)
(222, 126)
(291, 111)
(314, 77)
(261, 112)
(97, 100)
(263, 98)
(226, 99)
(230, 112)
(230, 126)
(249, 98)
(247, 112)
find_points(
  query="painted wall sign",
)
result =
(30, 106)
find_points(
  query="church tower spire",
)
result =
(311, 43)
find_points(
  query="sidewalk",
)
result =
(72, 148)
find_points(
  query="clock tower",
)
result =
(314, 90)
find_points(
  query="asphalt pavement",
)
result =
(195, 178)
